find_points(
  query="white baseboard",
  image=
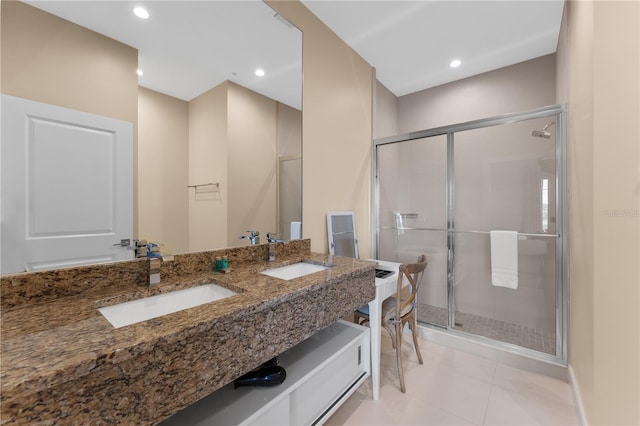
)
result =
(577, 398)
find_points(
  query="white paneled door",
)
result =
(67, 187)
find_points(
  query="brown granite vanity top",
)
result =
(45, 344)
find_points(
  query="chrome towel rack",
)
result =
(205, 188)
(202, 185)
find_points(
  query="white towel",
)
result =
(504, 259)
(296, 231)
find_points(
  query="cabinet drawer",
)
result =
(276, 415)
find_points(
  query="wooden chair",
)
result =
(400, 309)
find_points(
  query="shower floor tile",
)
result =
(538, 340)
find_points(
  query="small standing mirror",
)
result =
(341, 228)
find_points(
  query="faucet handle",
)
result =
(253, 237)
(271, 237)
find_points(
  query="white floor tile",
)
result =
(459, 394)
(453, 387)
(507, 407)
(463, 363)
(523, 381)
(393, 408)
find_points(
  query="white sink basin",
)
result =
(296, 270)
(139, 310)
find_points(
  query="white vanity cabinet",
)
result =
(322, 372)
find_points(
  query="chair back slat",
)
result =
(413, 272)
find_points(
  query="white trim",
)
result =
(581, 414)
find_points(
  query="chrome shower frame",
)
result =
(559, 114)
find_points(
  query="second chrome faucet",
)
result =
(273, 241)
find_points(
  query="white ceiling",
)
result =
(188, 47)
(411, 43)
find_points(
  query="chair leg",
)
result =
(399, 326)
(413, 324)
(391, 335)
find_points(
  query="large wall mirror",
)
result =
(217, 147)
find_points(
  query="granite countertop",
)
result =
(66, 339)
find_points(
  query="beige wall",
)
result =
(50, 60)
(289, 141)
(336, 132)
(519, 87)
(580, 186)
(252, 162)
(604, 201)
(289, 131)
(616, 133)
(386, 112)
(163, 160)
(232, 140)
(208, 163)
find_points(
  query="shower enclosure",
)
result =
(441, 191)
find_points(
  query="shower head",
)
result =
(543, 133)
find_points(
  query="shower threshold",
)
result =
(530, 338)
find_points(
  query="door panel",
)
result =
(412, 189)
(505, 180)
(70, 170)
(67, 186)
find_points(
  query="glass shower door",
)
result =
(505, 179)
(443, 191)
(412, 216)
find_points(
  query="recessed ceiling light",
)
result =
(139, 72)
(141, 12)
(260, 72)
(455, 63)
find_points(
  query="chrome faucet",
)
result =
(155, 262)
(253, 237)
(154, 270)
(272, 240)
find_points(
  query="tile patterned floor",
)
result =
(456, 388)
(538, 340)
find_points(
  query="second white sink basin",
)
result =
(295, 270)
(139, 310)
